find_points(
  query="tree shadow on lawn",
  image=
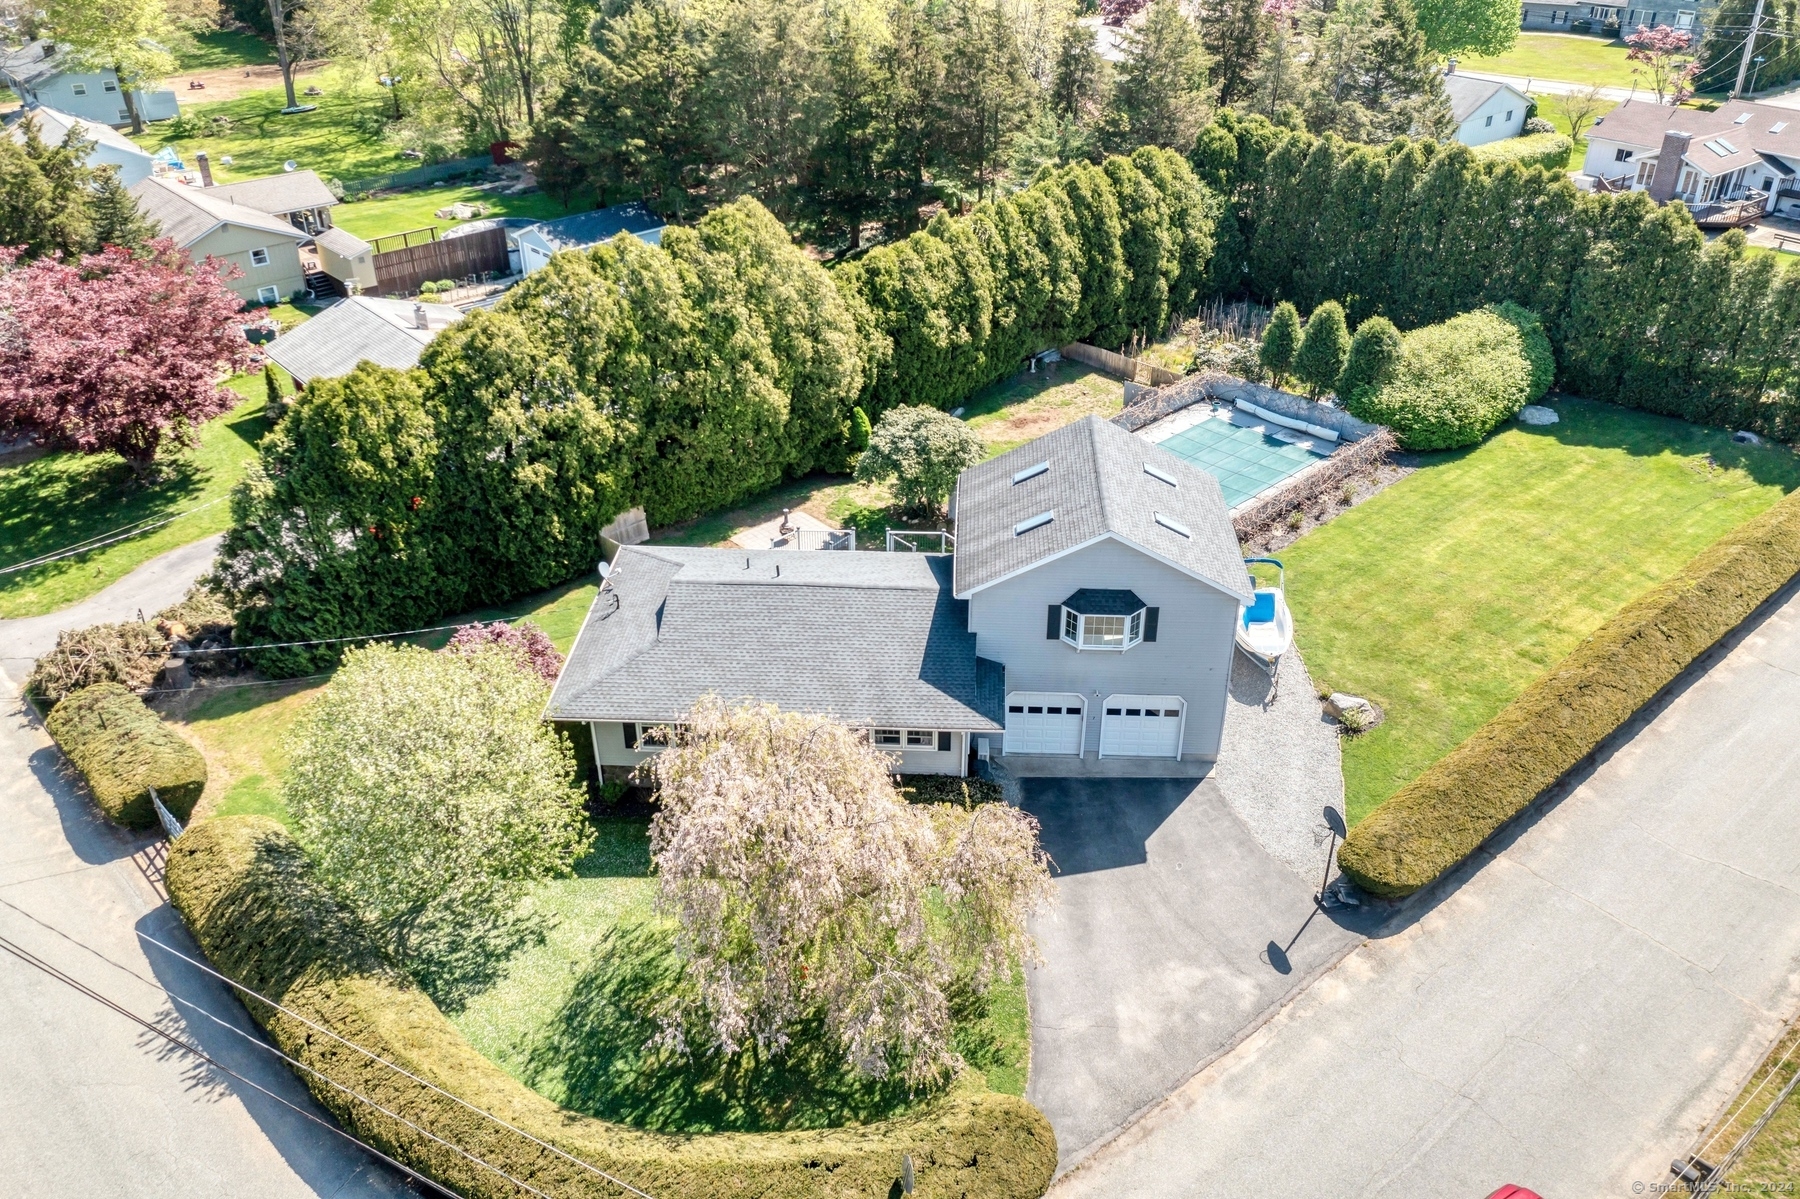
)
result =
(597, 1056)
(1643, 434)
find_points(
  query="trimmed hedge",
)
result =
(123, 749)
(1550, 150)
(262, 917)
(1445, 814)
(1457, 381)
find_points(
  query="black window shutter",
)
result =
(943, 742)
(630, 734)
(1150, 623)
(1053, 626)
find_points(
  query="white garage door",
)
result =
(1141, 726)
(1043, 722)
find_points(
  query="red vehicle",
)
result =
(1510, 1191)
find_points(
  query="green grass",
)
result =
(1445, 595)
(1550, 111)
(1011, 412)
(223, 48)
(1568, 58)
(57, 500)
(341, 139)
(369, 219)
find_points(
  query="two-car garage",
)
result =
(1131, 726)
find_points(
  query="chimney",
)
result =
(419, 319)
(1668, 165)
(1450, 67)
(205, 168)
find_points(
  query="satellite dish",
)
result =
(289, 165)
(605, 569)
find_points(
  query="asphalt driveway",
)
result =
(1175, 934)
(1585, 995)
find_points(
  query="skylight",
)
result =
(1717, 147)
(1173, 525)
(1742, 117)
(1727, 145)
(1160, 476)
(1033, 522)
(1778, 126)
(1030, 472)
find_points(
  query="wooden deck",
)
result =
(1733, 214)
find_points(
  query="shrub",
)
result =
(1537, 124)
(1543, 149)
(1535, 344)
(946, 788)
(922, 450)
(1280, 341)
(129, 654)
(261, 916)
(123, 749)
(1445, 814)
(1373, 360)
(860, 429)
(1456, 382)
(527, 643)
(1320, 359)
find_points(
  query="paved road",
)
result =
(91, 1106)
(1174, 933)
(1589, 995)
(151, 587)
(1558, 87)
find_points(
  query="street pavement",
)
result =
(1587, 995)
(91, 1104)
(1531, 85)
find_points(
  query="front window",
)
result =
(1103, 632)
(920, 738)
(109, 85)
(268, 295)
(259, 257)
(887, 737)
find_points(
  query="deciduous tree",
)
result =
(125, 36)
(116, 352)
(922, 450)
(1665, 57)
(803, 886)
(1487, 27)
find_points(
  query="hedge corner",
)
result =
(122, 750)
(1445, 814)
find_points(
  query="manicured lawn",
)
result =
(370, 219)
(1569, 58)
(1442, 597)
(223, 48)
(342, 139)
(59, 500)
(1548, 109)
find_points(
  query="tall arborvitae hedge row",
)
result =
(1641, 309)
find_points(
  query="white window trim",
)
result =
(264, 260)
(268, 293)
(78, 89)
(1078, 635)
(930, 742)
(877, 738)
(109, 85)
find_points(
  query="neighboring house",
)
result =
(1613, 18)
(585, 230)
(1084, 624)
(361, 329)
(1730, 165)
(1485, 110)
(297, 197)
(111, 148)
(42, 73)
(266, 248)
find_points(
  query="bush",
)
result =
(922, 450)
(262, 918)
(1373, 361)
(1536, 345)
(123, 749)
(947, 788)
(1456, 382)
(1548, 150)
(129, 654)
(1446, 813)
(1323, 347)
(1537, 124)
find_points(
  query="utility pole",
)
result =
(1749, 49)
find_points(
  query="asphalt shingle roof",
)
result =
(1097, 486)
(1767, 130)
(344, 245)
(1468, 93)
(293, 191)
(32, 62)
(872, 639)
(361, 328)
(591, 228)
(190, 213)
(53, 125)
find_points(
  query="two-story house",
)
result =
(265, 248)
(1084, 624)
(44, 73)
(110, 147)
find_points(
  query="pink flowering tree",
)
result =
(528, 644)
(803, 886)
(1664, 55)
(117, 352)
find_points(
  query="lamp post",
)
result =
(1334, 820)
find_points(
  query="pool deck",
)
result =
(1197, 414)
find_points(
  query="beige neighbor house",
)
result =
(264, 247)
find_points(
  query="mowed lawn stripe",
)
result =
(1442, 597)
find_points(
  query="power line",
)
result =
(105, 539)
(34, 961)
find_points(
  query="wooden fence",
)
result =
(1132, 370)
(400, 272)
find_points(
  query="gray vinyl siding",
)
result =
(1191, 656)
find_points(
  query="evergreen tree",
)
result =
(272, 388)
(765, 97)
(912, 66)
(1323, 348)
(1234, 33)
(986, 95)
(1160, 91)
(845, 187)
(1280, 342)
(1278, 86)
(1079, 83)
(115, 215)
(1373, 360)
(44, 192)
(1371, 77)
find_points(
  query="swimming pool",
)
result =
(1245, 461)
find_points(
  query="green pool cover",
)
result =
(1244, 461)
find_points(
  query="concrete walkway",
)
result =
(1589, 992)
(1175, 933)
(93, 1105)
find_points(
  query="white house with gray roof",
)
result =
(43, 72)
(1083, 625)
(1485, 110)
